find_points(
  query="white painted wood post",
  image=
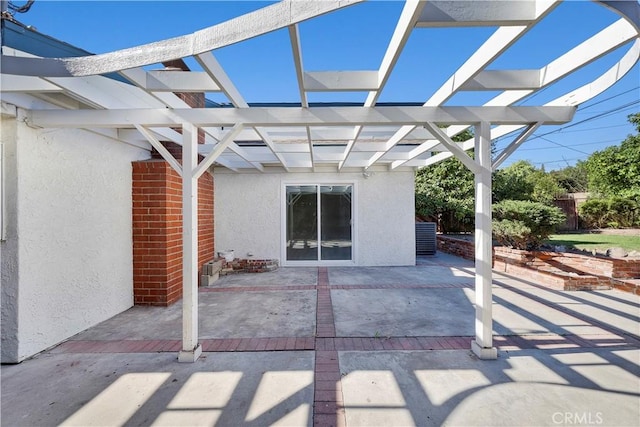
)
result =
(191, 349)
(482, 346)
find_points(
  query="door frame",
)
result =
(283, 225)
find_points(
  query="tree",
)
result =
(514, 182)
(573, 179)
(522, 181)
(445, 193)
(615, 171)
(545, 188)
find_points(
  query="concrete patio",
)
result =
(360, 346)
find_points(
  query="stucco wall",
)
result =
(248, 214)
(74, 246)
(9, 247)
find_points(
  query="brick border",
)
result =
(325, 324)
(258, 288)
(404, 286)
(502, 342)
(328, 403)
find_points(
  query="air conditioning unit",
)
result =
(426, 238)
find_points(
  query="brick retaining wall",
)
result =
(457, 247)
(565, 270)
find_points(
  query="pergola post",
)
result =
(482, 346)
(191, 349)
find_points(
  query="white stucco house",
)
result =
(92, 144)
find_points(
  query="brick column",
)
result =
(157, 231)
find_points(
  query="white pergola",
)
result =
(145, 110)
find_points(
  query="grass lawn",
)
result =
(590, 242)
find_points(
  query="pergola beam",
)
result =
(337, 81)
(179, 81)
(26, 84)
(261, 21)
(504, 80)
(474, 13)
(296, 50)
(294, 116)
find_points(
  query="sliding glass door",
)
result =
(319, 224)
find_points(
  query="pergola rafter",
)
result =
(78, 92)
(297, 116)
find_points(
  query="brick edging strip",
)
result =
(328, 404)
(258, 288)
(326, 286)
(502, 342)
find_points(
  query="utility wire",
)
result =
(573, 145)
(564, 146)
(574, 131)
(594, 117)
(597, 116)
(545, 162)
(584, 107)
(596, 128)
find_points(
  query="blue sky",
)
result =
(356, 38)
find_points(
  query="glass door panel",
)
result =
(302, 223)
(319, 223)
(335, 222)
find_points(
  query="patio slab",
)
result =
(403, 312)
(152, 389)
(356, 347)
(437, 275)
(290, 276)
(222, 315)
(531, 388)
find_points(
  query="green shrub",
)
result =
(524, 225)
(511, 233)
(594, 213)
(623, 211)
(615, 212)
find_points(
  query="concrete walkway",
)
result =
(330, 346)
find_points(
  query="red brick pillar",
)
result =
(157, 231)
